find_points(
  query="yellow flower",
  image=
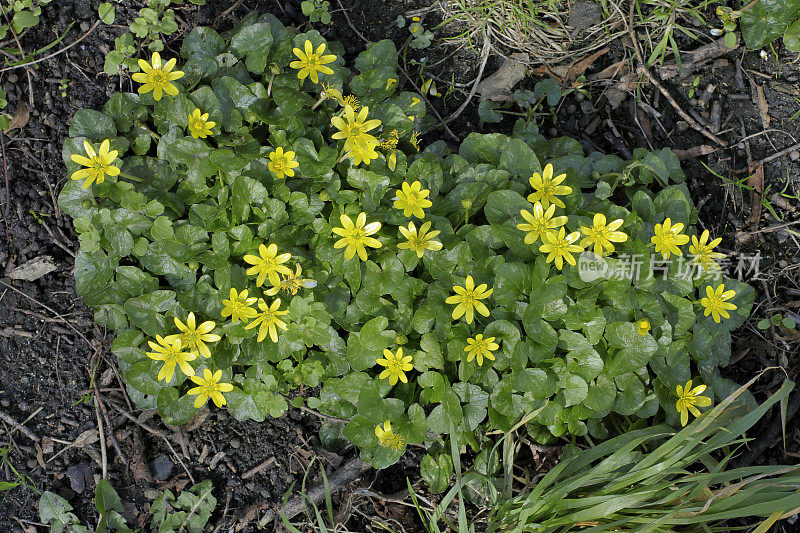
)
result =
(547, 188)
(387, 438)
(715, 302)
(361, 154)
(282, 163)
(291, 283)
(269, 264)
(389, 145)
(391, 82)
(480, 348)
(396, 366)
(357, 236)
(560, 247)
(419, 242)
(602, 235)
(268, 318)
(668, 237)
(156, 77)
(643, 326)
(703, 251)
(199, 125)
(312, 62)
(540, 223)
(688, 398)
(99, 164)
(169, 351)
(353, 129)
(238, 307)
(209, 387)
(412, 199)
(195, 337)
(414, 140)
(468, 299)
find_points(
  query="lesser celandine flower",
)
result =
(238, 307)
(419, 241)
(291, 283)
(268, 264)
(362, 154)
(668, 237)
(98, 163)
(703, 252)
(388, 438)
(412, 199)
(353, 129)
(688, 398)
(209, 387)
(547, 189)
(199, 125)
(468, 299)
(602, 235)
(643, 326)
(195, 337)
(282, 163)
(268, 318)
(559, 247)
(540, 223)
(480, 347)
(311, 62)
(169, 351)
(157, 77)
(396, 366)
(715, 302)
(357, 236)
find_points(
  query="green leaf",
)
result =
(575, 390)
(106, 13)
(519, 159)
(148, 311)
(635, 349)
(253, 42)
(631, 395)
(791, 39)
(106, 498)
(175, 410)
(437, 471)
(480, 148)
(92, 124)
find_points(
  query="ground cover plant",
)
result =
(257, 221)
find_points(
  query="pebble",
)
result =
(553, 132)
(162, 467)
(23, 405)
(794, 155)
(85, 26)
(151, 494)
(235, 443)
(5, 403)
(31, 463)
(682, 126)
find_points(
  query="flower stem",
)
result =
(130, 177)
(153, 134)
(322, 98)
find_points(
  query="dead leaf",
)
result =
(578, 68)
(20, 118)
(611, 71)
(34, 269)
(694, 151)
(498, 86)
(756, 181)
(763, 107)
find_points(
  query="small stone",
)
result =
(5, 403)
(553, 132)
(682, 126)
(584, 14)
(794, 155)
(78, 476)
(84, 26)
(31, 463)
(571, 109)
(235, 443)
(23, 405)
(162, 467)
(151, 494)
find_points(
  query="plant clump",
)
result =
(299, 244)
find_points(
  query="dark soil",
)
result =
(52, 355)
